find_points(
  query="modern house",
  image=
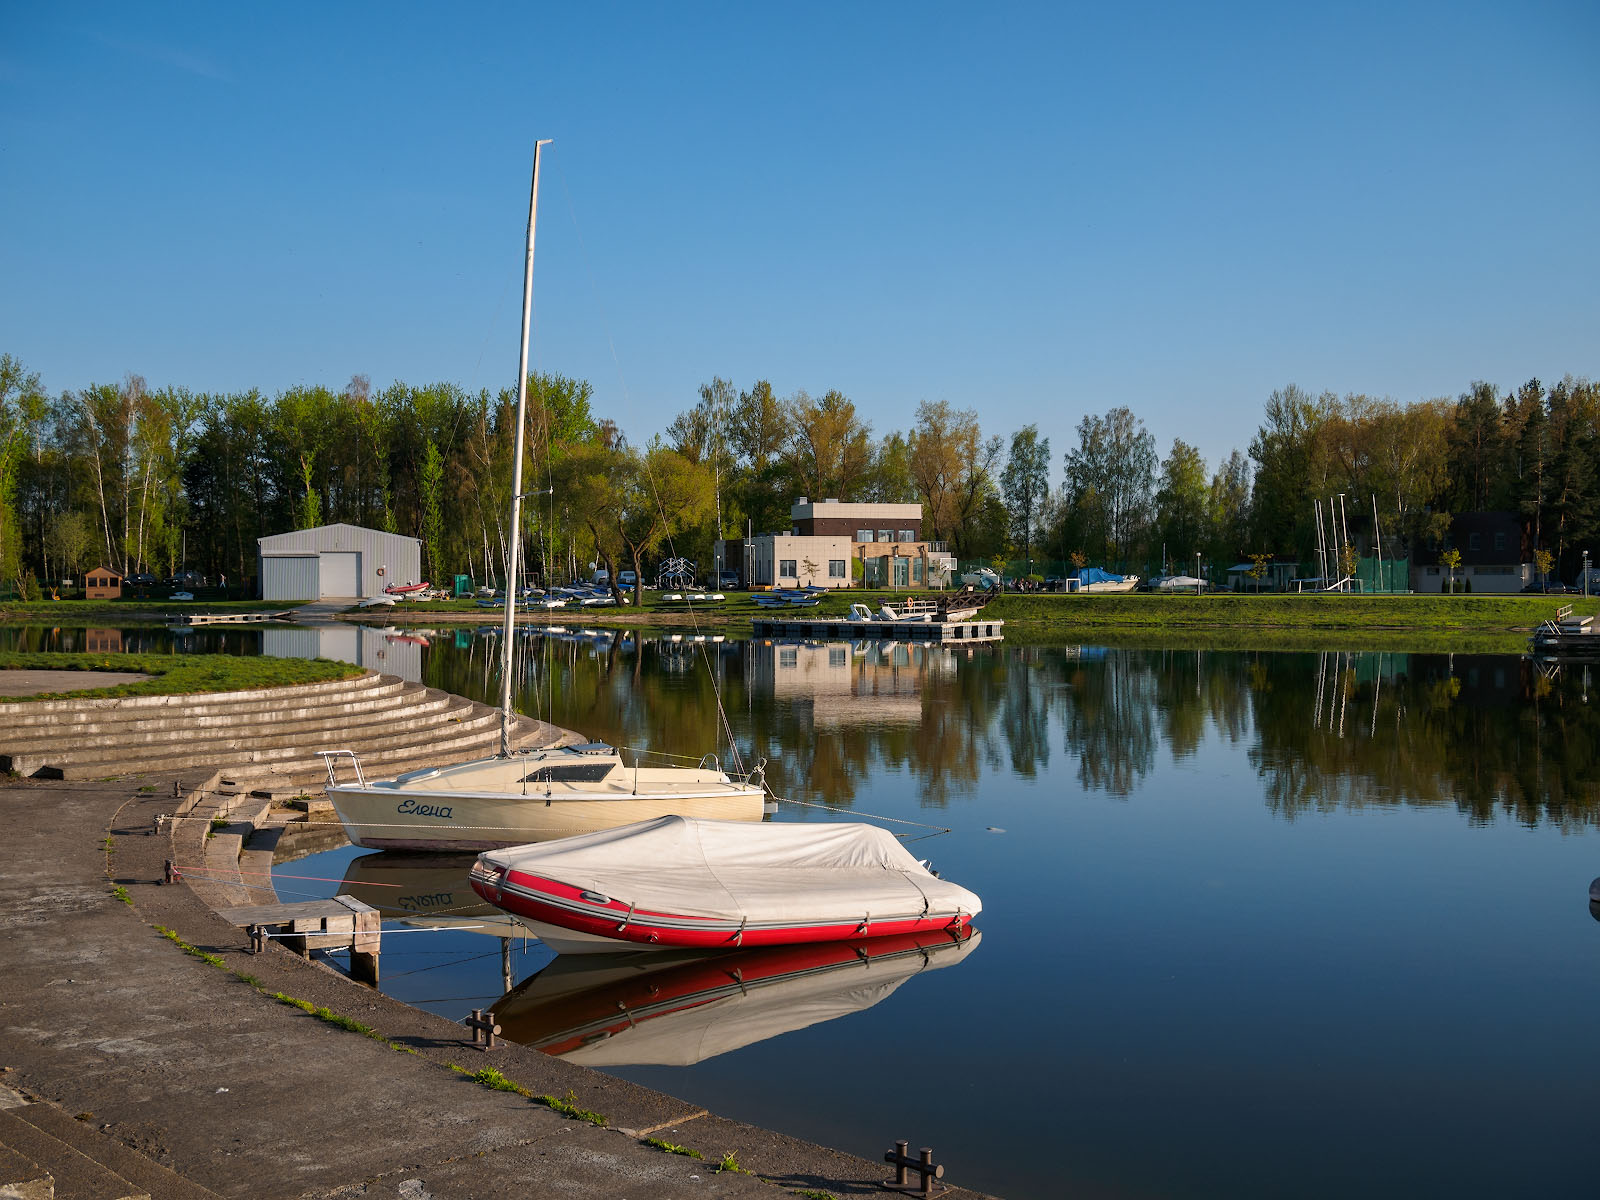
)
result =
(835, 544)
(1496, 555)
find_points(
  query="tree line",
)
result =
(160, 480)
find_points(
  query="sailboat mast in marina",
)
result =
(506, 717)
(520, 794)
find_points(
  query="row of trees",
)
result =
(164, 479)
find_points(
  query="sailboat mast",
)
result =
(509, 638)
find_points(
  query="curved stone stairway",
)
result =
(266, 738)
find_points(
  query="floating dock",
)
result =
(965, 632)
(241, 618)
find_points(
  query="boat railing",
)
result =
(329, 758)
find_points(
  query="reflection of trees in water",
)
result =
(1110, 721)
(1487, 734)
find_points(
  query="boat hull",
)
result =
(561, 917)
(380, 818)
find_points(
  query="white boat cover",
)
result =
(763, 873)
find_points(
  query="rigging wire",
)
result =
(716, 688)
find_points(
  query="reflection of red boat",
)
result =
(685, 884)
(406, 589)
(665, 1009)
(413, 639)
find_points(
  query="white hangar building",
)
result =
(336, 560)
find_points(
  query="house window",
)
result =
(786, 569)
(916, 570)
(908, 535)
(1500, 541)
(1433, 570)
(1474, 541)
(789, 656)
(863, 535)
(836, 656)
(836, 568)
(886, 535)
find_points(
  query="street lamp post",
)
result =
(1585, 574)
(1200, 580)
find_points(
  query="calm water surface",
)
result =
(1254, 924)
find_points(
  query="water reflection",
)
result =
(1484, 733)
(425, 891)
(672, 1010)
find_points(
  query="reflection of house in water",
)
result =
(389, 651)
(102, 641)
(852, 682)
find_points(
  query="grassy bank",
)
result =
(132, 612)
(180, 674)
(1066, 615)
(1368, 616)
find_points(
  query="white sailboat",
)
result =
(527, 796)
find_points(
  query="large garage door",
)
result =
(340, 574)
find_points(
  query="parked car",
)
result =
(1553, 588)
(142, 579)
(186, 579)
(727, 580)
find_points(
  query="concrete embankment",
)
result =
(195, 1068)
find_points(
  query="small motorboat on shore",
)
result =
(678, 883)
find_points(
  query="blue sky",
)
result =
(1034, 211)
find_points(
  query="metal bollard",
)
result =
(173, 875)
(258, 939)
(483, 1028)
(924, 1165)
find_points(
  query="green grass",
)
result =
(156, 608)
(179, 674)
(729, 1163)
(121, 893)
(670, 1148)
(492, 1079)
(209, 959)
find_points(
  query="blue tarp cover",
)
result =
(1090, 575)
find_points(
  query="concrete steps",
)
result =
(90, 722)
(266, 734)
(31, 748)
(48, 1155)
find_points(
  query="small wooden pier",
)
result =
(311, 925)
(242, 618)
(944, 632)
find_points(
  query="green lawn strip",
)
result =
(157, 608)
(179, 674)
(1269, 640)
(1371, 614)
(1067, 612)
